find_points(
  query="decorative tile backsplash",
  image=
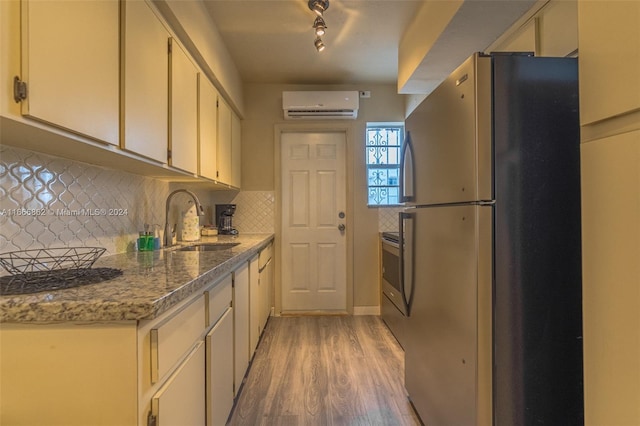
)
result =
(255, 211)
(388, 219)
(47, 201)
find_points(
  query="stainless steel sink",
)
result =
(208, 247)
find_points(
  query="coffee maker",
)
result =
(224, 219)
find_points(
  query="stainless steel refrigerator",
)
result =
(491, 264)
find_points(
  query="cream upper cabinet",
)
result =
(608, 42)
(184, 110)
(224, 142)
(208, 120)
(229, 145)
(146, 82)
(236, 147)
(70, 62)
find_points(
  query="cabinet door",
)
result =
(236, 151)
(266, 283)
(146, 82)
(181, 401)
(70, 61)
(170, 339)
(224, 142)
(610, 253)
(609, 42)
(208, 128)
(266, 280)
(69, 373)
(241, 323)
(184, 110)
(220, 370)
(254, 305)
(219, 298)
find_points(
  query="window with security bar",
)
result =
(383, 145)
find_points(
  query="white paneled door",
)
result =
(314, 251)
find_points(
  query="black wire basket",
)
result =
(41, 265)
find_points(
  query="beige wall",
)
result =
(263, 112)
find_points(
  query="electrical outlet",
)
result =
(365, 93)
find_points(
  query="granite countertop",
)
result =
(150, 284)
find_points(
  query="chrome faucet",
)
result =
(168, 234)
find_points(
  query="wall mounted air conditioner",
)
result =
(320, 105)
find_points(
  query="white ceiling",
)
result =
(272, 41)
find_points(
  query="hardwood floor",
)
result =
(325, 370)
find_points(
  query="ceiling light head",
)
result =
(319, 44)
(318, 6)
(320, 26)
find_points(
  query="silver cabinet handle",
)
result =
(341, 227)
(406, 259)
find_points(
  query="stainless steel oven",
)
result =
(393, 308)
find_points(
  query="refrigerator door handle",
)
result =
(407, 177)
(406, 251)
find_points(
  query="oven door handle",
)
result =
(406, 259)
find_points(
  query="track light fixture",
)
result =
(318, 6)
(319, 26)
(319, 44)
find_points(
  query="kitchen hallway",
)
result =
(325, 370)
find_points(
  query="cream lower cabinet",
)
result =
(266, 284)
(241, 324)
(219, 352)
(199, 390)
(181, 400)
(72, 374)
(254, 304)
(177, 369)
(260, 279)
(172, 365)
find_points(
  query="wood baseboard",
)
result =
(366, 310)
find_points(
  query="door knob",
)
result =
(341, 227)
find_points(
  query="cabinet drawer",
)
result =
(181, 399)
(265, 256)
(172, 338)
(218, 299)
